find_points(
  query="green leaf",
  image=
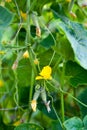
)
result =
(85, 122)
(77, 75)
(40, 5)
(64, 49)
(8, 34)
(5, 17)
(47, 55)
(23, 95)
(24, 73)
(77, 36)
(55, 125)
(83, 98)
(48, 41)
(28, 126)
(74, 123)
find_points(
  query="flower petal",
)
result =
(34, 105)
(39, 77)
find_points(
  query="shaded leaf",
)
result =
(63, 48)
(55, 125)
(28, 126)
(83, 98)
(48, 41)
(52, 114)
(23, 95)
(24, 73)
(77, 75)
(47, 54)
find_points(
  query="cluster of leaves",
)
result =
(54, 32)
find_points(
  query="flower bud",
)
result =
(34, 105)
(36, 23)
(8, 1)
(23, 15)
(15, 65)
(2, 52)
(26, 54)
(35, 97)
(1, 83)
(36, 62)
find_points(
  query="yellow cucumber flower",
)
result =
(45, 73)
(33, 105)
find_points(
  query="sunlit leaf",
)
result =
(77, 37)
(85, 122)
(5, 17)
(74, 123)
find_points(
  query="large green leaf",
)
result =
(5, 17)
(77, 75)
(77, 36)
(28, 126)
(74, 123)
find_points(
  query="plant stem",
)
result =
(74, 92)
(83, 104)
(62, 106)
(28, 21)
(31, 87)
(28, 36)
(0, 68)
(71, 5)
(62, 95)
